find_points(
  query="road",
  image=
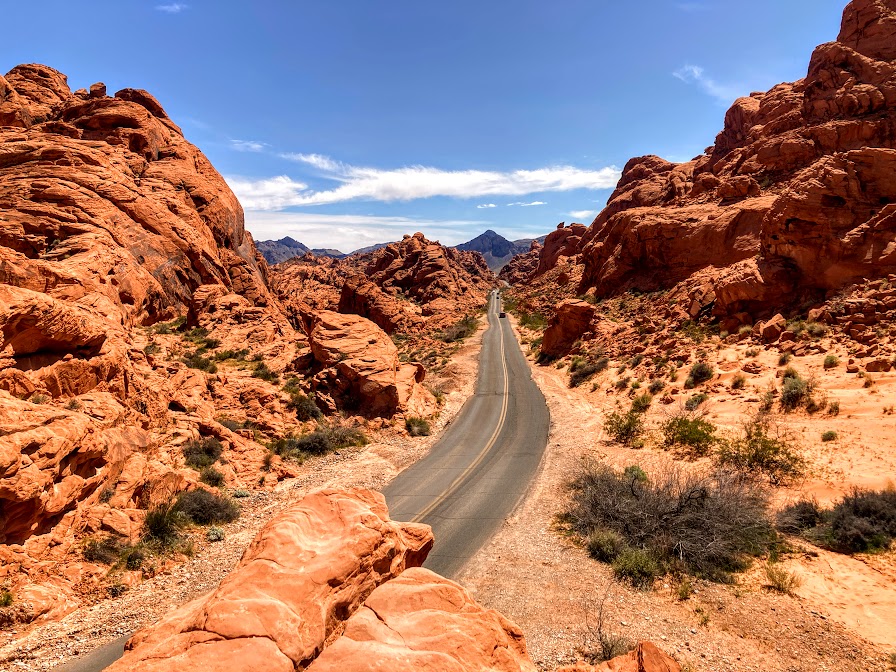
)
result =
(473, 477)
(482, 466)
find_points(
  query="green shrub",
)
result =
(780, 580)
(622, 383)
(605, 545)
(834, 408)
(262, 372)
(636, 360)
(695, 434)
(417, 427)
(862, 521)
(211, 476)
(695, 401)
(534, 321)
(304, 406)
(196, 360)
(6, 598)
(105, 550)
(831, 362)
(796, 391)
(240, 493)
(703, 523)
(701, 372)
(656, 386)
(784, 359)
(206, 508)
(202, 453)
(583, 373)
(163, 523)
(739, 382)
(602, 364)
(624, 428)
(829, 435)
(214, 533)
(152, 348)
(637, 567)
(238, 355)
(641, 403)
(321, 441)
(460, 330)
(762, 448)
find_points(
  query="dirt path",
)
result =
(44, 646)
(546, 584)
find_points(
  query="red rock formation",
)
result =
(799, 175)
(522, 266)
(572, 318)
(643, 658)
(362, 296)
(305, 573)
(562, 242)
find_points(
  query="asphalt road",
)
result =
(482, 466)
(473, 477)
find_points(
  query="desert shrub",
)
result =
(636, 360)
(831, 362)
(105, 550)
(239, 355)
(196, 360)
(622, 383)
(202, 453)
(701, 372)
(211, 476)
(695, 401)
(656, 386)
(6, 598)
(862, 521)
(214, 533)
(637, 567)
(39, 398)
(582, 374)
(321, 441)
(624, 428)
(829, 435)
(762, 448)
(532, 321)
(304, 406)
(796, 391)
(152, 348)
(780, 580)
(605, 545)
(73, 405)
(240, 493)
(206, 508)
(417, 426)
(641, 403)
(693, 433)
(602, 364)
(751, 352)
(834, 408)
(460, 330)
(784, 359)
(262, 371)
(163, 523)
(739, 382)
(816, 329)
(704, 523)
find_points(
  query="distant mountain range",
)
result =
(496, 249)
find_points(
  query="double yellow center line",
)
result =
(488, 446)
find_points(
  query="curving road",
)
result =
(473, 477)
(482, 466)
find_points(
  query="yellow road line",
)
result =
(488, 446)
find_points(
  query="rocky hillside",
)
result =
(800, 173)
(143, 352)
(496, 249)
(278, 251)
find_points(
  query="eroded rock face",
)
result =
(361, 366)
(795, 199)
(572, 318)
(420, 621)
(302, 577)
(645, 657)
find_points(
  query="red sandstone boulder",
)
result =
(305, 573)
(572, 318)
(423, 622)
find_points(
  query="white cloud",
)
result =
(173, 8)
(350, 232)
(583, 214)
(248, 145)
(410, 183)
(694, 74)
(486, 205)
(526, 205)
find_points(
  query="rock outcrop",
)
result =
(645, 657)
(801, 173)
(330, 585)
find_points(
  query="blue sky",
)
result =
(348, 122)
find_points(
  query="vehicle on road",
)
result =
(502, 314)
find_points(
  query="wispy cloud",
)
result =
(248, 145)
(348, 232)
(173, 8)
(583, 214)
(483, 206)
(696, 75)
(525, 205)
(410, 183)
